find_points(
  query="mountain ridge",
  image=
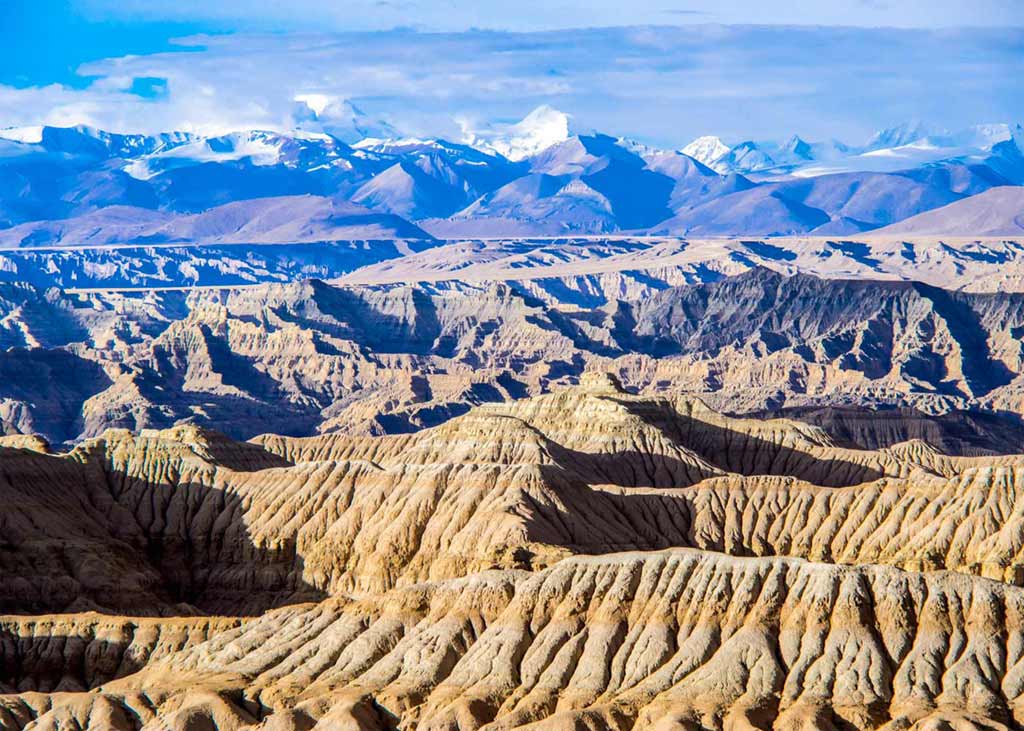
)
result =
(568, 182)
(313, 357)
(995, 212)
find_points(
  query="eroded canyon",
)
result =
(581, 559)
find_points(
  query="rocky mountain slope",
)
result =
(582, 559)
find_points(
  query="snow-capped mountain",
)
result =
(898, 148)
(542, 128)
(708, 150)
(533, 177)
(84, 141)
(903, 134)
(338, 118)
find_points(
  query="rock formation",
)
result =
(584, 559)
(312, 357)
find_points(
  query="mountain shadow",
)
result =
(744, 453)
(78, 536)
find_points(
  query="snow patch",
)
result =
(26, 135)
(707, 149)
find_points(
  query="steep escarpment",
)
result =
(974, 433)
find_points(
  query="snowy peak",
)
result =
(707, 150)
(541, 129)
(798, 148)
(412, 147)
(746, 157)
(901, 135)
(339, 118)
(259, 147)
(88, 142)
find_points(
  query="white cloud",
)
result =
(664, 85)
(316, 103)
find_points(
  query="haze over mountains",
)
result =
(79, 186)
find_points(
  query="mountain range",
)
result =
(539, 177)
(521, 451)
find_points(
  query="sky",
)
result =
(659, 71)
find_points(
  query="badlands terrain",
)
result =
(300, 433)
(587, 483)
(582, 559)
(816, 328)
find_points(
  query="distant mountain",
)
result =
(900, 135)
(534, 177)
(996, 212)
(289, 219)
(762, 157)
(844, 203)
(1007, 157)
(586, 183)
(760, 211)
(693, 183)
(542, 128)
(433, 178)
(898, 148)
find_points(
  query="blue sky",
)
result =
(739, 69)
